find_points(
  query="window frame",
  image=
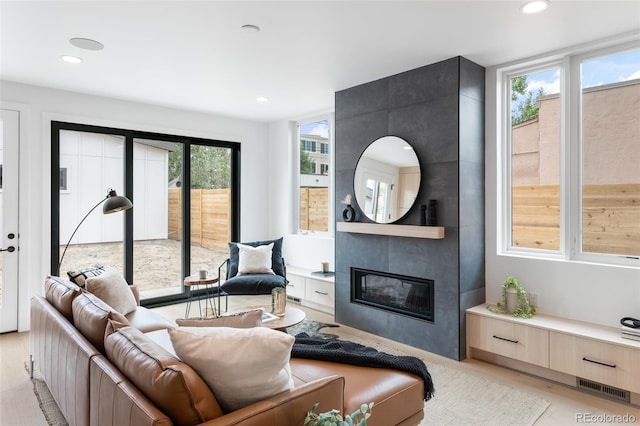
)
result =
(295, 196)
(571, 155)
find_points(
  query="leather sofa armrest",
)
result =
(290, 407)
(136, 293)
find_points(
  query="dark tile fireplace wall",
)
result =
(439, 110)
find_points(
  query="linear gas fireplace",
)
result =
(396, 293)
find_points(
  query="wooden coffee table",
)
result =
(292, 316)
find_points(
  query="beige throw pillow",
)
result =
(254, 260)
(240, 320)
(113, 290)
(240, 365)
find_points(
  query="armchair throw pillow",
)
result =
(255, 260)
(277, 264)
(250, 364)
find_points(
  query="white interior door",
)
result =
(9, 159)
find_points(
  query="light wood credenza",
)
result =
(589, 356)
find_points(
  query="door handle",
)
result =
(10, 249)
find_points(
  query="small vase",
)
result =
(278, 301)
(348, 214)
(512, 299)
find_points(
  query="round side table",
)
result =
(194, 282)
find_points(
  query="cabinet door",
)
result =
(506, 338)
(599, 361)
(320, 292)
(296, 286)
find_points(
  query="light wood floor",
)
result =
(19, 406)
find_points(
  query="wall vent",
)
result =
(294, 299)
(603, 390)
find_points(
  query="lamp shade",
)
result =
(115, 203)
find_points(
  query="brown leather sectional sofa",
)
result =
(68, 347)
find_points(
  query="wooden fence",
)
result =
(611, 218)
(314, 208)
(210, 217)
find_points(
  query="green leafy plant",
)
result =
(333, 417)
(523, 309)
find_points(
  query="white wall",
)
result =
(42, 105)
(582, 291)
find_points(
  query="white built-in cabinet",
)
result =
(314, 291)
(556, 348)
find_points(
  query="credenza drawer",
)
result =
(591, 359)
(506, 338)
(320, 292)
(296, 286)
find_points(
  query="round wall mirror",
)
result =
(387, 179)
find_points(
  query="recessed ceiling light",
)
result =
(86, 43)
(262, 99)
(249, 28)
(408, 148)
(71, 59)
(534, 6)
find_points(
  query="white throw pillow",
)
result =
(255, 260)
(112, 289)
(240, 365)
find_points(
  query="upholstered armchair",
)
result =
(252, 268)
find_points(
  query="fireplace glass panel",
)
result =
(396, 293)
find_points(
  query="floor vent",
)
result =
(603, 390)
(294, 299)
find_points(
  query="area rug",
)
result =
(48, 405)
(312, 328)
(461, 398)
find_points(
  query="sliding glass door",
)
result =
(180, 222)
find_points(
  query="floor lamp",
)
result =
(112, 203)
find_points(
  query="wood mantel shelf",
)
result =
(433, 232)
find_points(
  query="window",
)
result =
(308, 145)
(610, 142)
(578, 110)
(313, 176)
(535, 159)
(185, 193)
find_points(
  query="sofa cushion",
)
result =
(60, 293)
(168, 382)
(253, 284)
(145, 320)
(90, 317)
(246, 319)
(240, 365)
(80, 276)
(277, 265)
(113, 290)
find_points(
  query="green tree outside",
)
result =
(210, 166)
(305, 161)
(527, 108)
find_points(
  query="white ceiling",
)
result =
(193, 55)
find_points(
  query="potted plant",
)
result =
(333, 417)
(514, 300)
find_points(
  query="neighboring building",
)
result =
(317, 147)
(611, 140)
(90, 164)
